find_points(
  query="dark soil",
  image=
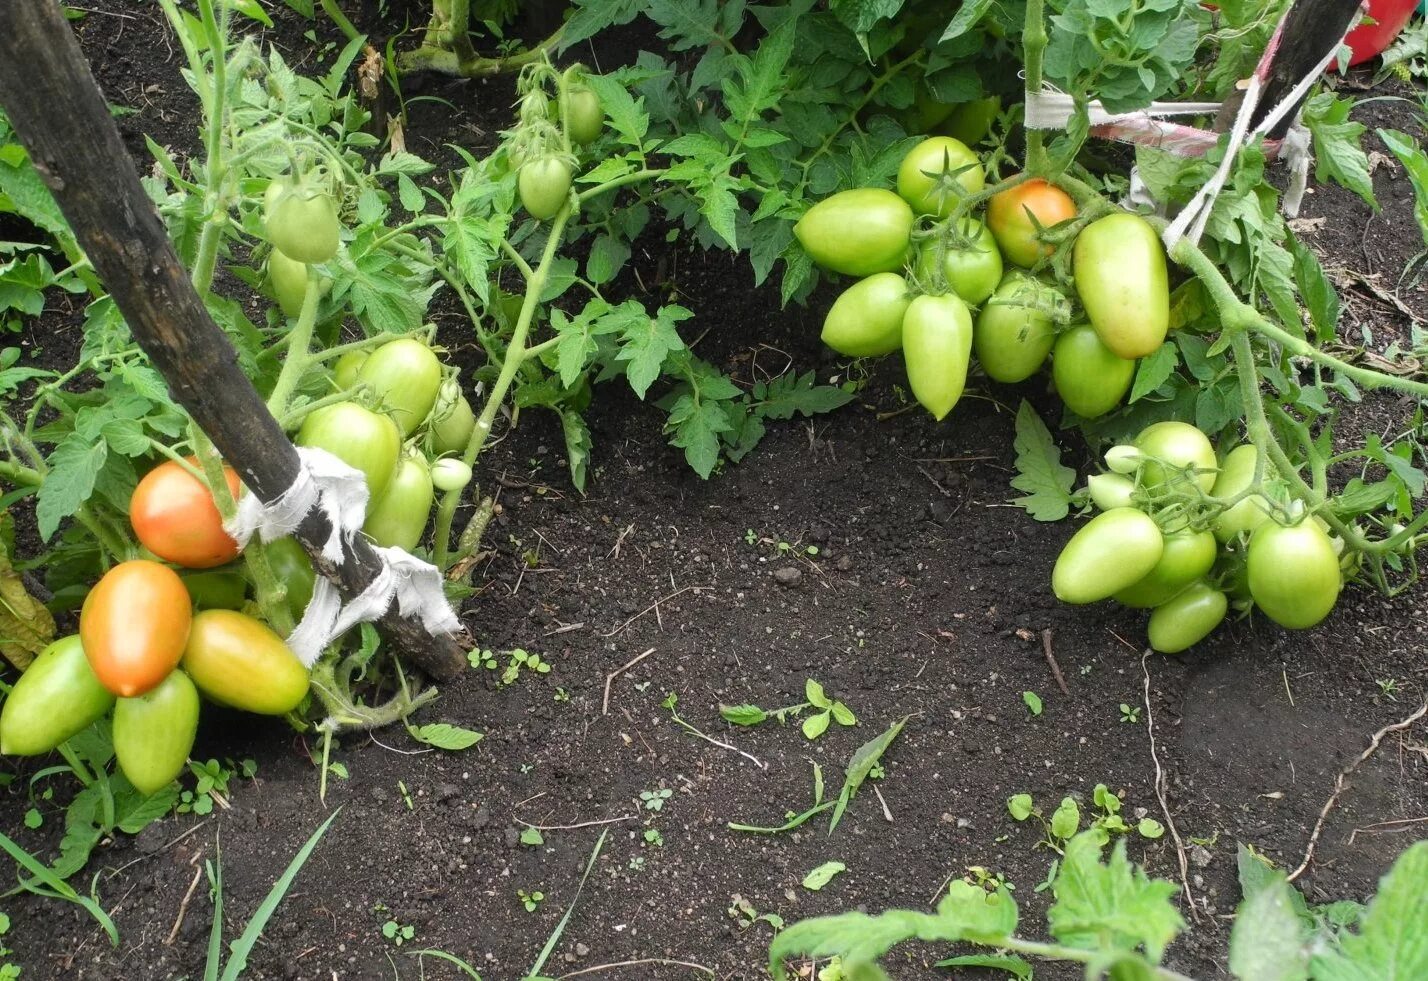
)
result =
(927, 599)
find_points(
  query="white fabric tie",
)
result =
(339, 491)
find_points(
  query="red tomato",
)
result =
(134, 626)
(174, 516)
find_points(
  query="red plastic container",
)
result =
(1369, 40)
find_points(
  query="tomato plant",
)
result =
(134, 625)
(175, 517)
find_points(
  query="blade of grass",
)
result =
(560, 927)
(442, 955)
(249, 938)
(792, 823)
(59, 889)
(215, 935)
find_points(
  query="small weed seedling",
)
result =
(1130, 713)
(637, 863)
(986, 879)
(1065, 821)
(653, 800)
(517, 661)
(1033, 702)
(742, 911)
(653, 837)
(530, 900)
(779, 547)
(826, 710)
(561, 695)
(1389, 688)
(212, 786)
(8, 971)
(398, 933)
(532, 837)
(406, 795)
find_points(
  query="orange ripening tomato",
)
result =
(134, 626)
(1009, 217)
(174, 516)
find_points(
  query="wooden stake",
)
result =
(58, 112)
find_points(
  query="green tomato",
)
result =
(1014, 334)
(1110, 490)
(972, 273)
(288, 280)
(1124, 459)
(936, 346)
(866, 319)
(57, 697)
(450, 474)
(154, 732)
(937, 173)
(1236, 475)
(544, 186)
(1187, 555)
(1172, 448)
(1115, 549)
(584, 117)
(1121, 279)
(292, 567)
(397, 518)
(216, 590)
(405, 375)
(452, 421)
(1089, 377)
(345, 372)
(970, 122)
(1293, 573)
(857, 232)
(1187, 619)
(357, 436)
(302, 223)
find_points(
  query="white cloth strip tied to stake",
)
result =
(1050, 109)
(340, 493)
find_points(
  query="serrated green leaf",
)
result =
(1114, 905)
(74, 466)
(1392, 943)
(1039, 469)
(646, 342)
(1267, 942)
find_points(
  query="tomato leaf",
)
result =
(1319, 294)
(1110, 904)
(1154, 370)
(822, 875)
(1039, 469)
(1337, 154)
(74, 467)
(743, 715)
(646, 342)
(443, 735)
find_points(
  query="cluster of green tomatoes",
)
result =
(1188, 534)
(941, 286)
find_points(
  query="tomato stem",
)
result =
(299, 349)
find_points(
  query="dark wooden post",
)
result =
(57, 110)
(1312, 25)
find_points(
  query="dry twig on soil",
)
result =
(1340, 780)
